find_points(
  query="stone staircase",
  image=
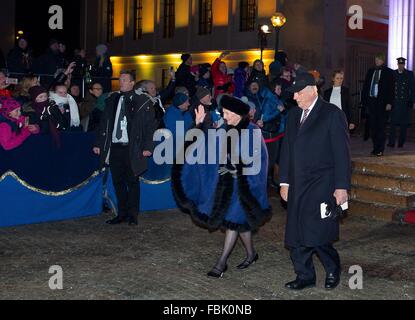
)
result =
(383, 188)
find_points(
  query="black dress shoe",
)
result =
(247, 262)
(299, 284)
(116, 220)
(216, 272)
(376, 154)
(332, 281)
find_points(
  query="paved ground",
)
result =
(362, 148)
(167, 257)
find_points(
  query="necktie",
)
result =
(374, 83)
(304, 117)
(121, 116)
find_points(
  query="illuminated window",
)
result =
(248, 15)
(205, 16)
(110, 20)
(168, 19)
(138, 19)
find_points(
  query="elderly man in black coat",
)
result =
(377, 98)
(315, 170)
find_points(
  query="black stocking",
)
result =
(246, 238)
(230, 240)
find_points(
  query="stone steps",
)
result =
(373, 210)
(383, 188)
(382, 182)
(393, 198)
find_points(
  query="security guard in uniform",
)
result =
(403, 102)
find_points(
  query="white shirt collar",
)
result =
(312, 106)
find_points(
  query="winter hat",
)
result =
(36, 91)
(202, 92)
(235, 105)
(281, 57)
(243, 64)
(179, 99)
(101, 49)
(185, 57)
(219, 99)
(7, 105)
(203, 70)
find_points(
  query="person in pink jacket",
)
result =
(14, 128)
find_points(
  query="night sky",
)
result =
(32, 17)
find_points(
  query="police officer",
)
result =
(404, 100)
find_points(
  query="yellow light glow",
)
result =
(148, 16)
(278, 20)
(220, 12)
(20, 32)
(118, 18)
(182, 16)
(151, 66)
(143, 58)
(265, 28)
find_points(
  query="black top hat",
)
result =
(302, 81)
(401, 60)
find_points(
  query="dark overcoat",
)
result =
(315, 161)
(404, 97)
(141, 127)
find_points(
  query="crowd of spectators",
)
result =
(59, 92)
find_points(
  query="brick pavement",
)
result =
(167, 257)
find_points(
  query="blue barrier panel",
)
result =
(40, 182)
(20, 204)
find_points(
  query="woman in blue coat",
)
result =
(230, 196)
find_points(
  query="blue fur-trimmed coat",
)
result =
(237, 202)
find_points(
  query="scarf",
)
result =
(100, 103)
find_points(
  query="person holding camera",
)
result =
(315, 176)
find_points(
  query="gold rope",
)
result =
(154, 181)
(44, 192)
(64, 192)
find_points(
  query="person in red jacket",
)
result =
(222, 82)
(14, 129)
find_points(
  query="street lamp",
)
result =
(262, 33)
(278, 20)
